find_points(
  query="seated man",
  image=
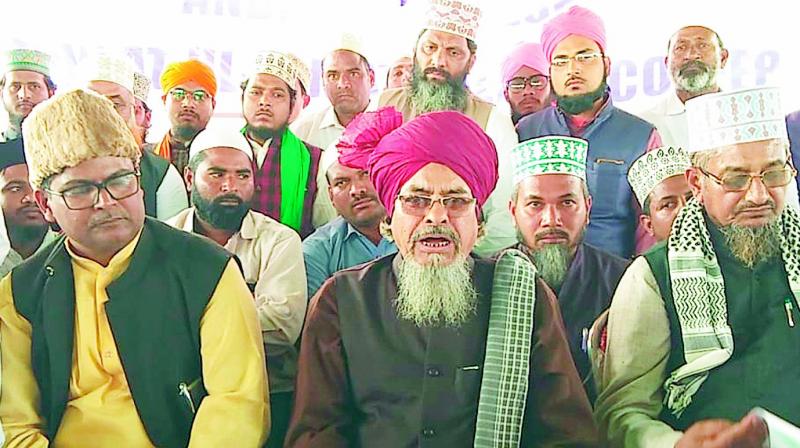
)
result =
(27, 229)
(702, 327)
(550, 206)
(162, 185)
(125, 331)
(220, 178)
(658, 180)
(354, 237)
(412, 349)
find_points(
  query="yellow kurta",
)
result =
(100, 411)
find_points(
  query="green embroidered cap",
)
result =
(553, 154)
(26, 59)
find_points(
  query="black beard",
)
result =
(263, 134)
(223, 217)
(576, 104)
(185, 133)
(26, 234)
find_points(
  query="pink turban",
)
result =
(448, 138)
(525, 55)
(578, 21)
(363, 133)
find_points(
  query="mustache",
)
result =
(438, 71)
(227, 197)
(104, 217)
(436, 231)
(554, 232)
(696, 64)
(748, 205)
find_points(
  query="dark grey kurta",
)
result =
(586, 292)
(367, 378)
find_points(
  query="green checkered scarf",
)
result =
(504, 387)
(698, 291)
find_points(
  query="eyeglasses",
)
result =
(198, 96)
(419, 205)
(741, 182)
(538, 82)
(580, 58)
(86, 194)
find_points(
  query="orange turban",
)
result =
(178, 73)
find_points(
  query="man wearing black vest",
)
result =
(124, 331)
(704, 327)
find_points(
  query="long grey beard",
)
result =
(752, 245)
(435, 294)
(697, 82)
(429, 96)
(552, 263)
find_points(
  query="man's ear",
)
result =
(647, 224)
(188, 178)
(693, 175)
(723, 58)
(471, 62)
(42, 201)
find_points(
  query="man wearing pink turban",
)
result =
(526, 84)
(574, 44)
(444, 54)
(394, 352)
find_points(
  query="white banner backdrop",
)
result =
(227, 34)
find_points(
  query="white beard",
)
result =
(435, 294)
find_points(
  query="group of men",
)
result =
(418, 269)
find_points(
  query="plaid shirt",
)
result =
(267, 197)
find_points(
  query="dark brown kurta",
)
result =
(367, 378)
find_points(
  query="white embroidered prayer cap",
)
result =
(461, 18)
(141, 86)
(721, 119)
(112, 68)
(654, 167)
(303, 71)
(277, 64)
(348, 42)
(217, 136)
(553, 154)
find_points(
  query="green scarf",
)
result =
(506, 367)
(295, 162)
(698, 291)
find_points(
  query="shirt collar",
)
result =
(118, 262)
(248, 229)
(674, 104)
(329, 119)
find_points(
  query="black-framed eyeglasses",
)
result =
(86, 194)
(538, 82)
(417, 205)
(198, 96)
(778, 177)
